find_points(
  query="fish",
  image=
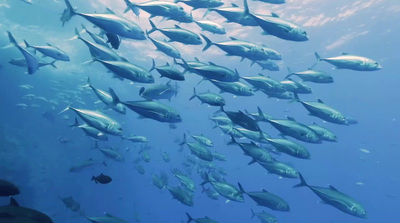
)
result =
(31, 59)
(185, 180)
(281, 169)
(323, 133)
(229, 130)
(267, 199)
(183, 196)
(244, 49)
(110, 23)
(310, 75)
(335, 198)
(168, 71)
(169, 10)
(225, 189)
(178, 34)
(260, 137)
(203, 140)
(291, 148)
(165, 156)
(90, 131)
(235, 88)
(135, 138)
(201, 4)
(351, 62)
(96, 38)
(140, 169)
(235, 14)
(200, 220)
(218, 156)
(198, 149)
(268, 65)
(103, 179)
(123, 69)
(265, 84)
(110, 153)
(257, 153)
(216, 72)
(70, 203)
(8, 189)
(50, 51)
(208, 98)
(211, 193)
(98, 51)
(14, 213)
(166, 48)
(264, 217)
(110, 99)
(160, 181)
(296, 87)
(278, 27)
(211, 27)
(108, 218)
(98, 120)
(321, 110)
(87, 163)
(21, 62)
(154, 110)
(243, 120)
(295, 129)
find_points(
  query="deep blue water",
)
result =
(33, 158)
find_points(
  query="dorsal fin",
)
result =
(273, 14)
(343, 53)
(260, 74)
(290, 118)
(211, 63)
(196, 59)
(333, 188)
(178, 27)
(320, 101)
(13, 202)
(234, 5)
(233, 38)
(263, 190)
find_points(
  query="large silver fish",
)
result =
(110, 23)
(178, 34)
(351, 62)
(31, 59)
(154, 110)
(98, 120)
(50, 51)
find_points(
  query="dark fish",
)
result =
(13, 213)
(241, 119)
(103, 179)
(71, 204)
(8, 189)
(114, 40)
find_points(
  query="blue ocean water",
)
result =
(363, 163)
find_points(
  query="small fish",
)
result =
(103, 179)
(365, 151)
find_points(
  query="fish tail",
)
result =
(252, 214)
(77, 35)
(296, 97)
(153, 66)
(27, 44)
(290, 73)
(185, 66)
(68, 12)
(189, 217)
(12, 39)
(83, 28)
(184, 140)
(131, 6)
(53, 64)
(302, 183)
(88, 83)
(260, 114)
(104, 163)
(153, 27)
(76, 123)
(242, 191)
(318, 59)
(252, 63)
(114, 96)
(94, 178)
(194, 94)
(206, 13)
(208, 42)
(66, 109)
